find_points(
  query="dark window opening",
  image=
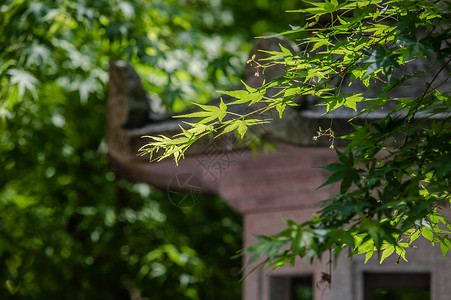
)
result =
(396, 286)
(302, 288)
(298, 287)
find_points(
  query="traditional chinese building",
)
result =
(266, 188)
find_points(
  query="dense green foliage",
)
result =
(395, 173)
(68, 44)
(69, 229)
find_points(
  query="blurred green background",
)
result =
(69, 229)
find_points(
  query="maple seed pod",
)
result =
(250, 60)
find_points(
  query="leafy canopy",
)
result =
(69, 229)
(395, 172)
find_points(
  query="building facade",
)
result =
(266, 189)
